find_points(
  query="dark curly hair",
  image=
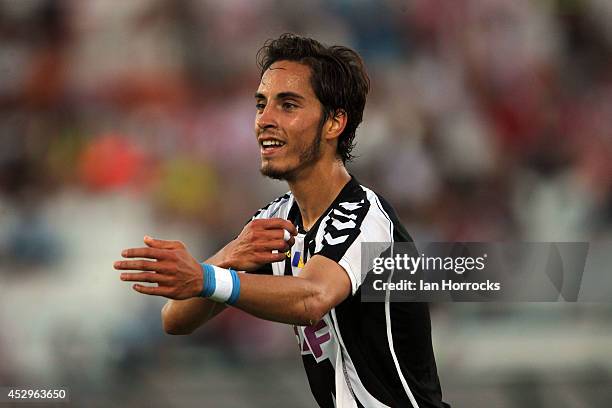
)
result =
(338, 78)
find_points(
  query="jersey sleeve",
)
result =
(347, 226)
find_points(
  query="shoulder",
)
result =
(360, 211)
(276, 208)
(361, 204)
(384, 218)
(355, 216)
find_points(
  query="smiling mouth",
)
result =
(270, 146)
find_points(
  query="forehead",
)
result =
(286, 76)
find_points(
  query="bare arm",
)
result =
(179, 276)
(301, 300)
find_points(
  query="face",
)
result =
(288, 121)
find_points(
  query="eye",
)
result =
(289, 106)
(260, 106)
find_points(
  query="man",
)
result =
(302, 251)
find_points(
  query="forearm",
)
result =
(184, 316)
(301, 300)
(285, 299)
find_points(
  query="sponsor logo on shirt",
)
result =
(297, 261)
(313, 339)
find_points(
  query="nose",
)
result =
(266, 119)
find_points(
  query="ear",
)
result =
(334, 126)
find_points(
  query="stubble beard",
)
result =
(308, 157)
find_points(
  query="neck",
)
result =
(317, 187)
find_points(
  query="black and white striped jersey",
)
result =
(360, 354)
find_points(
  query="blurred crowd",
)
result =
(487, 121)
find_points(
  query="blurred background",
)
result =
(487, 120)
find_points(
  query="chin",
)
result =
(277, 173)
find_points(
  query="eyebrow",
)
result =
(281, 95)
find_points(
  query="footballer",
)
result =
(298, 261)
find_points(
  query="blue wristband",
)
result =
(208, 280)
(235, 288)
(219, 284)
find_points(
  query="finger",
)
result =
(162, 244)
(147, 252)
(279, 223)
(271, 235)
(288, 238)
(277, 234)
(272, 257)
(144, 277)
(140, 265)
(278, 244)
(152, 290)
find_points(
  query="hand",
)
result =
(253, 247)
(177, 274)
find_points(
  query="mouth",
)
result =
(269, 146)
